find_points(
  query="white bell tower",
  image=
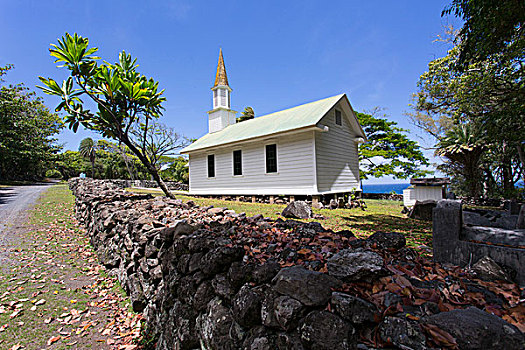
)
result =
(221, 115)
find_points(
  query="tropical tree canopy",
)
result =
(27, 130)
(126, 100)
(388, 150)
(88, 150)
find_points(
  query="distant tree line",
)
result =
(28, 146)
(106, 160)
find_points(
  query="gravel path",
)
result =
(14, 201)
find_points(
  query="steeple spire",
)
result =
(221, 78)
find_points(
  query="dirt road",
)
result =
(14, 201)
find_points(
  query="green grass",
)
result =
(381, 215)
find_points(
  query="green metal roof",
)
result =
(290, 119)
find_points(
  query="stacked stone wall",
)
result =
(211, 278)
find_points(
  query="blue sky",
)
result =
(278, 54)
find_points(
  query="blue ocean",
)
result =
(385, 188)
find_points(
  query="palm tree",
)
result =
(247, 114)
(464, 145)
(88, 149)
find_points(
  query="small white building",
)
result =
(425, 189)
(307, 150)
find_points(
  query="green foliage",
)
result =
(487, 99)
(27, 145)
(388, 150)
(53, 174)
(88, 150)
(247, 114)
(492, 28)
(178, 170)
(127, 102)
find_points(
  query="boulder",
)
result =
(266, 272)
(297, 210)
(246, 307)
(216, 328)
(309, 287)
(323, 330)
(288, 311)
(386, 240)
(476, 329)
(353, 309)
(220, 259)
(289, 341)
(352, 265)
(403, 333)
(422, 210)
(216, 211)
(520, 224)
(488, 270)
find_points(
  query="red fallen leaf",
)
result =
(53, 340)
(439, 336)
(304, 251)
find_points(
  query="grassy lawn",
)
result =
(381, 215)
(53, 293)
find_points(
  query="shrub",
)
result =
(53, 174)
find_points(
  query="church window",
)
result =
(271, 158)
(211, 165)
(338, 118)
(237, 162)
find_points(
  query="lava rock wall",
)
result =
(202, 278)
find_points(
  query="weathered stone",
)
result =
(422, 210)
(288, 311)
(258, 338)
(268, 318)
(195, 262)
(203, 295)
(385, 240)
(322, 330)
(216, 211)
(136, 293)
(246, 307)
(403, 333)
(353, 309)
(353, 265)
(176, 230)
(487, 269)
(476, 329)
(297, 210)
(216, 328)
(289, 341)
(309, 287)
(220, 259)
(239, 274)
(223, 287)
(266, 272)
(520, 223)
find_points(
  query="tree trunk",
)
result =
(93, 169)
(151, 169)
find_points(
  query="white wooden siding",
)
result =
(336, 154)
(295, 171)
(421, 193)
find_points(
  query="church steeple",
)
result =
(221, 89)
(221, 78)
(221, 115)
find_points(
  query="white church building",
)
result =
(308, 150)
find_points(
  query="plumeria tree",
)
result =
(127, 102)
